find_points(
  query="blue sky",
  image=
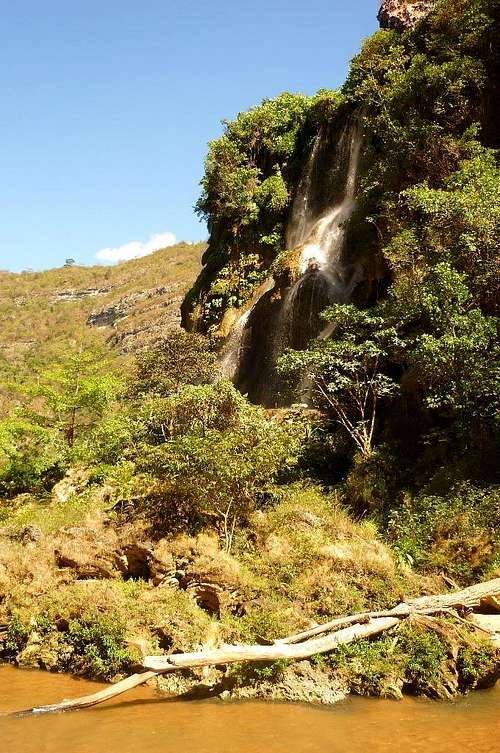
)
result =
(107, 107)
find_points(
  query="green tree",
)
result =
(456, 359)
(72, 393)
(32, 458)
(178, 358)
(207, 455)
(458, 224)
(345, 373)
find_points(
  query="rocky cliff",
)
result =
(303, 195)
(129, 304)
(403, 14)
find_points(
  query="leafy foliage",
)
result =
(178, 358)
(345, 372)
(58, 407)
(72, 393)
(32, 458)
(251, 174)
(457, 534)
(211, 454)
(458, 224)
(406, 379)
(92, 645)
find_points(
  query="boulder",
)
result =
(489, 622)
(403, 14)
(73, 482)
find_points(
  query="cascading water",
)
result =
(299, 225)
(231, 353)
(281, 318)
(322, 238)
(324, 276)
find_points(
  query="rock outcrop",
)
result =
(403, 14)
(76, 295)
(107, 316)
(87, 553)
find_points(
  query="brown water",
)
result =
(141, 722)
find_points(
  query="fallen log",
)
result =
(468, 598)
(226, 655)
(298, 646)
(233, 654)
(402, 610)
(94, 698)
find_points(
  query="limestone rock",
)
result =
(87, 552)
(490, 622)
(76, 295)
(29, 535)
(135, 560)
(142, 559)
(107, 316)
(73, 482)
(207, 596)
(300, 682)
(403, 14)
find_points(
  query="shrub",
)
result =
(32, 458)
(178, 358)
(477, 666)
(370, 667)
(425, 654)
(457, 534)
(98, 646)
(91, 644)
(218, 453)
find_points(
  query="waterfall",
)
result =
(299, 225)
(322, 237)
(324, 278)
(232, 351)
(323, 275)
(316, 230)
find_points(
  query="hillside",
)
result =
(121, 307)
(128, 304)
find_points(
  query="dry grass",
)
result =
(300, 560)
(33, 315)
(310, 551)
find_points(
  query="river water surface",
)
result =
(143, 722)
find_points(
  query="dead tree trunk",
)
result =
(340, 631)
(233, 654)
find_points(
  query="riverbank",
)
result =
(93, 598)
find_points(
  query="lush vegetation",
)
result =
(251, 174)
(409, 378)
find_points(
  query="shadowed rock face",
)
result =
(403, 14)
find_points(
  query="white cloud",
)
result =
(134, 249)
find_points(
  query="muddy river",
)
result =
(143, 722)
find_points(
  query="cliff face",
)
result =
(403, 14)
(303, 195)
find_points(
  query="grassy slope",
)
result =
(31, 316)
(40, 311)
